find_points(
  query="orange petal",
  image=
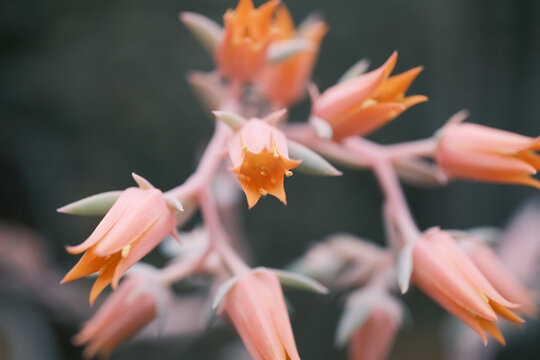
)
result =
(394, 88)
(284, 21)
(88, 264)
(491, 329)
(367, 120)
(105, 277)
(410, 101)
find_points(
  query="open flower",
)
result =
(137, 222)
(444, 272)
(284, 82)
(363, 104)
(260, 157)
(256, 307)
(477, 152)
(247, 34)
(125, 312)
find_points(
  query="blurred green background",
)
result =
(93, 90)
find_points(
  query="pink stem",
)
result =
(208, 164)
(183, 268)
(380, 162)
(418, 148)
(218, 236)
(305, 134)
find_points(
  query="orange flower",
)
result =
(260, 157)
(365, 103)
(285, 82)
(444, 272)
(242, 49)
(136, 223)
(477, 152)
(256, 307)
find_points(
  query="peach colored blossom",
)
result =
(374, 340)
(444, 272)
(476, 152)
(119, 318)
(256, 307)
(260, 158)
(137, 222)
(374, 336)
(363, 104)
(285, 82)
(500, 276)
(242, 50)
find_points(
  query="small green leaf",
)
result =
(94, 205)
(405, 267)
(282, 50)
(207, 31)
(351, 320)
(223, 290)
(312, 163)
(142, 182)
(356, 70)
(232, 120)
(299, 281)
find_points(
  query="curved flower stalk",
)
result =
(128, 310)
(241, 51)
(260, 158)
(444, 272)
(363, 104)
(137, 222)
(476, 152)
(284, 82)
(256, 307)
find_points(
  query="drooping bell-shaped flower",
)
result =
(256, 306)
(126, 311)
(369, 323)
(476, 152)
(444, 272)
(242, 49)
(137, 222)
(260, 158)
(284, 82)
(363, 104)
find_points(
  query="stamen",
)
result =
(125, 250)
(288, 173)
(369, 103)
(276, 153)
(263, 192)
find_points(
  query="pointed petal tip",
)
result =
(174, 203)
(142, 182)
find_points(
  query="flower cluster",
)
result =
(263, 66)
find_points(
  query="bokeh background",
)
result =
(93, 90)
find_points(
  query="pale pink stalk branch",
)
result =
(208, 165)
(417, 148)
(183, 268)
(389, 182)
(217, 235)
(304, 134)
